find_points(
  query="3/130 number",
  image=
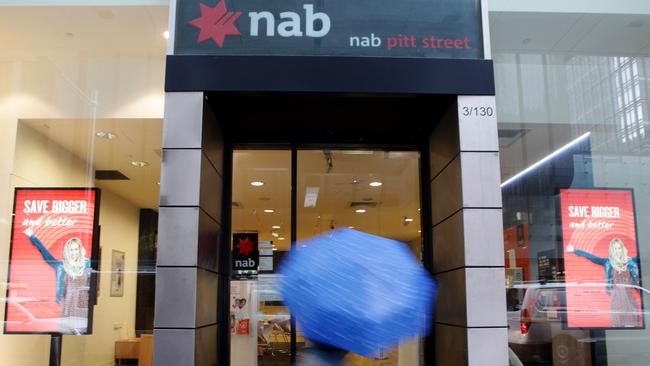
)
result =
(478, 111)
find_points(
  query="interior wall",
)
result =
(40, 163)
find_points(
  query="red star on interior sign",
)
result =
(216, 23)
(245, 246)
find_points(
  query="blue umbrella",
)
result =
(357, 291)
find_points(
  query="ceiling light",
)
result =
(357, 152)
(419, 231)
(546, 158)
(408, 219)
(350, 227)
(361, 210)
(269, 210)
(280, 238)
(275, 234)
(106, 135)
(275, 227)
(375, 184)
(139, 163)
(166, 34)
(257, 183)
(274, 249)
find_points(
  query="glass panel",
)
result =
(574, 162)
(377, 192)
(81, 105)
(261, 226)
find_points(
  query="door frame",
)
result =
(294, 146)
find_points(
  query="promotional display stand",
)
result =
(55, 349)
(53, 255)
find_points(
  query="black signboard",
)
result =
(245, 255)
(383, 28)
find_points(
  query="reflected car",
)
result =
(536, 333)
(24, 317)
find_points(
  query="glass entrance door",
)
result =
(282, 197)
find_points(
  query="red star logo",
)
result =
(245, 246)
(216, 23)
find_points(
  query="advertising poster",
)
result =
(53, 244)
(515, 241)
(239, 309)
(601, 260)
(245, 255)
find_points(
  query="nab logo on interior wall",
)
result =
(388, 28)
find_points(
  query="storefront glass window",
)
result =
(572, 99)
(81, 107)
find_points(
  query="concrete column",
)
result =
(470, 322)
(189, 234)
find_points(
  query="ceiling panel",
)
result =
(137, 140)
(93, 29)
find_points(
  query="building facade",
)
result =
(502, 143)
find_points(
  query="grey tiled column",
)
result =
(470, 322)
(189, 233)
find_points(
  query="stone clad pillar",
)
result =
(189, 234)
(468, 261)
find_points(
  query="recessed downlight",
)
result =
(408, 219)
(360, 210)
(280, 238)
(275, 235)
(375, 184)
(269, 210)
(139, 163)
(106, 135)
(257, 183)
(166, 34)
(350, 227)
(275, 227)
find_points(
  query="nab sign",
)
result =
(405, 28)
(245, 254)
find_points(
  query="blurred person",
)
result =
(373, 310)
(621, 273)
(320, 354)
(72, 276)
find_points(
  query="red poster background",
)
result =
(588, 303)
(31, 293)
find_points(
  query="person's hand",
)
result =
(570, 248)
(29, 232)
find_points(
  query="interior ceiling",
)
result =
(137, 140)
(345, 181)
(94, 29)
(592, 34)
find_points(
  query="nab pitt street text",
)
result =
(405, 41)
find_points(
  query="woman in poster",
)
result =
(621, 273)
(72, 283)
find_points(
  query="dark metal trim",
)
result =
(329, 74)
(294, 235)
